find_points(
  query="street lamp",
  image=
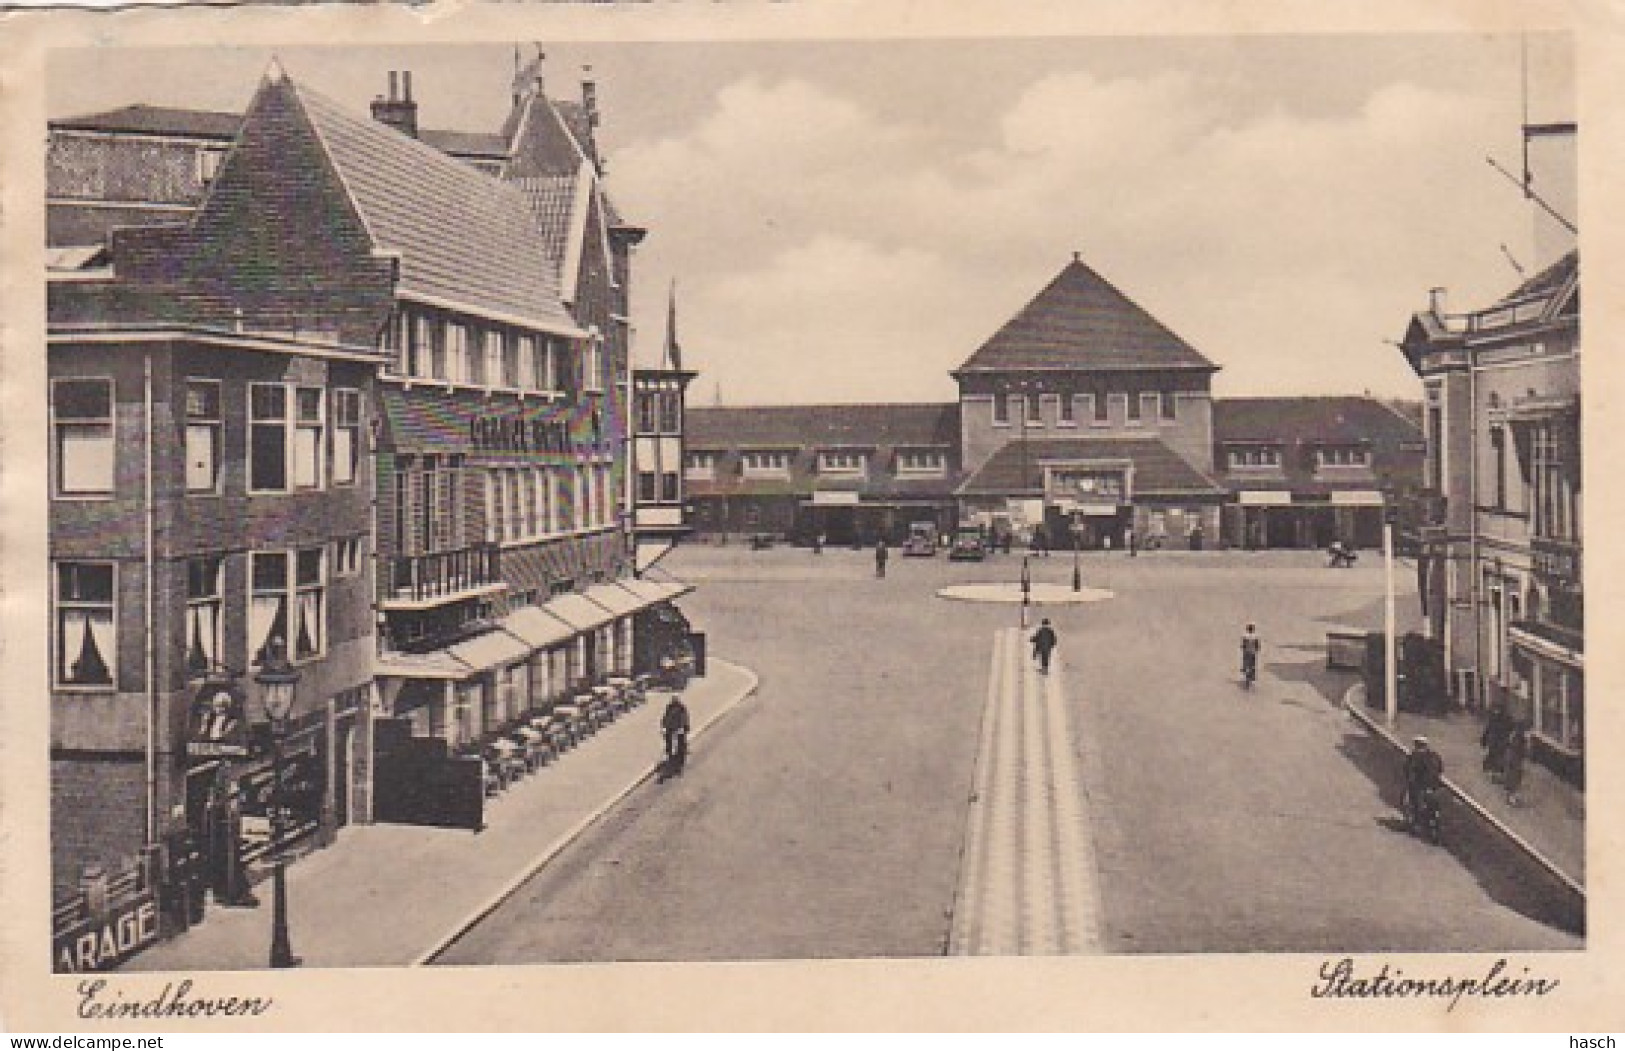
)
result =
(1077, 570)
(278, 680)
(1026, 588)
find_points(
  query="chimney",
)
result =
(1436, 301)
(398, 111)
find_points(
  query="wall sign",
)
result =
(217, 727)
(96, 945)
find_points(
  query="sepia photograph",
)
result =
(573, 500)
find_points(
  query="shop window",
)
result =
(82, 416)
(346, 435)
(86, 633)
(203, 614)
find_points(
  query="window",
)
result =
(766, 463)
(203, 620)
(921, 461)
(671, 417)
(542, 480)
(1035, 412)
(1135, 400)
(670, 488)
(1343, 456)
(564, 499)
(586, 514)
(275, 441)
(1169, 408)
(1255, 456)
(437, 349)
(1001, 409)
(346, 435)
(1149, 405)
(841, 462)
(82, 412)
(1102, 407)
(86, 636)
(1556, 499)
(1068, 413)
(646, 487)
(288, 589)
(202, 436)
(347, 557)
(700, 465)
(208, 163)
(592, 366)
(515, 504)
(495, 497)
(1498, 447)
(646, 412)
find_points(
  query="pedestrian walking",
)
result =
(1497, 735)
(881, 554)
(1250, 645)
(1131, 541)
(674, 727)
(1044, 642)
(1512, 773)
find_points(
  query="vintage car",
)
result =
(922, 540)
(968, 546)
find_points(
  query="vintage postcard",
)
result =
(786, 517)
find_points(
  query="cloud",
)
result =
(859, 258)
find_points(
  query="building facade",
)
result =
(1304, 472)
(1503, 537)
(1085, 417)
(397, 421)
(848, 474)
(660, 407)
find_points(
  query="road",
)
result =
(849, 809)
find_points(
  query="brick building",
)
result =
(1503, 536)
(850, 473)
(1307, 471)
(1085, 416)
(400, 367)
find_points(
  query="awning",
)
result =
(490, 650)
(437, 664)
(577, 612)
(656, 590)
(1264, 498)
(1357, 498)
(537, 628)
(618, 600)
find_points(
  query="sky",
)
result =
(849, 220)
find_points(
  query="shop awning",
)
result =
(618, 600)
(577, 612)
(1264, 498)
(1357, 498)
(539, 629)
(656, 590)
(490, 650)
(437, 664)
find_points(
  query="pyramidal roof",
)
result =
(1081, 322)
(465, 240)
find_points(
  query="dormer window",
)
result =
(1343, 456)
(922, 462)
(1257, 456)
(700, 465)
(765, 464)
(841, 462)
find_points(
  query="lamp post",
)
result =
(1077, 569)
(1026, 588)
(278, 679)
(1390, 670)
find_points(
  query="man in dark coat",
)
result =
(1044, 642)
(1497, 733)
(881, 554)
(674, 726)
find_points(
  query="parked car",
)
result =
(968, 546)
(922, 540)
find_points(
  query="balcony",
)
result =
(416, 582)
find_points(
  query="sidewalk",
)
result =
(394, 895)
(1551, 822)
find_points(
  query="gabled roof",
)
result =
(822, 426)
(141, 119)
(552, 200)
(464, 239)
(1080, 321)
(1547, 282)
(1311, 421)
(487, 145)
(1018, 466)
